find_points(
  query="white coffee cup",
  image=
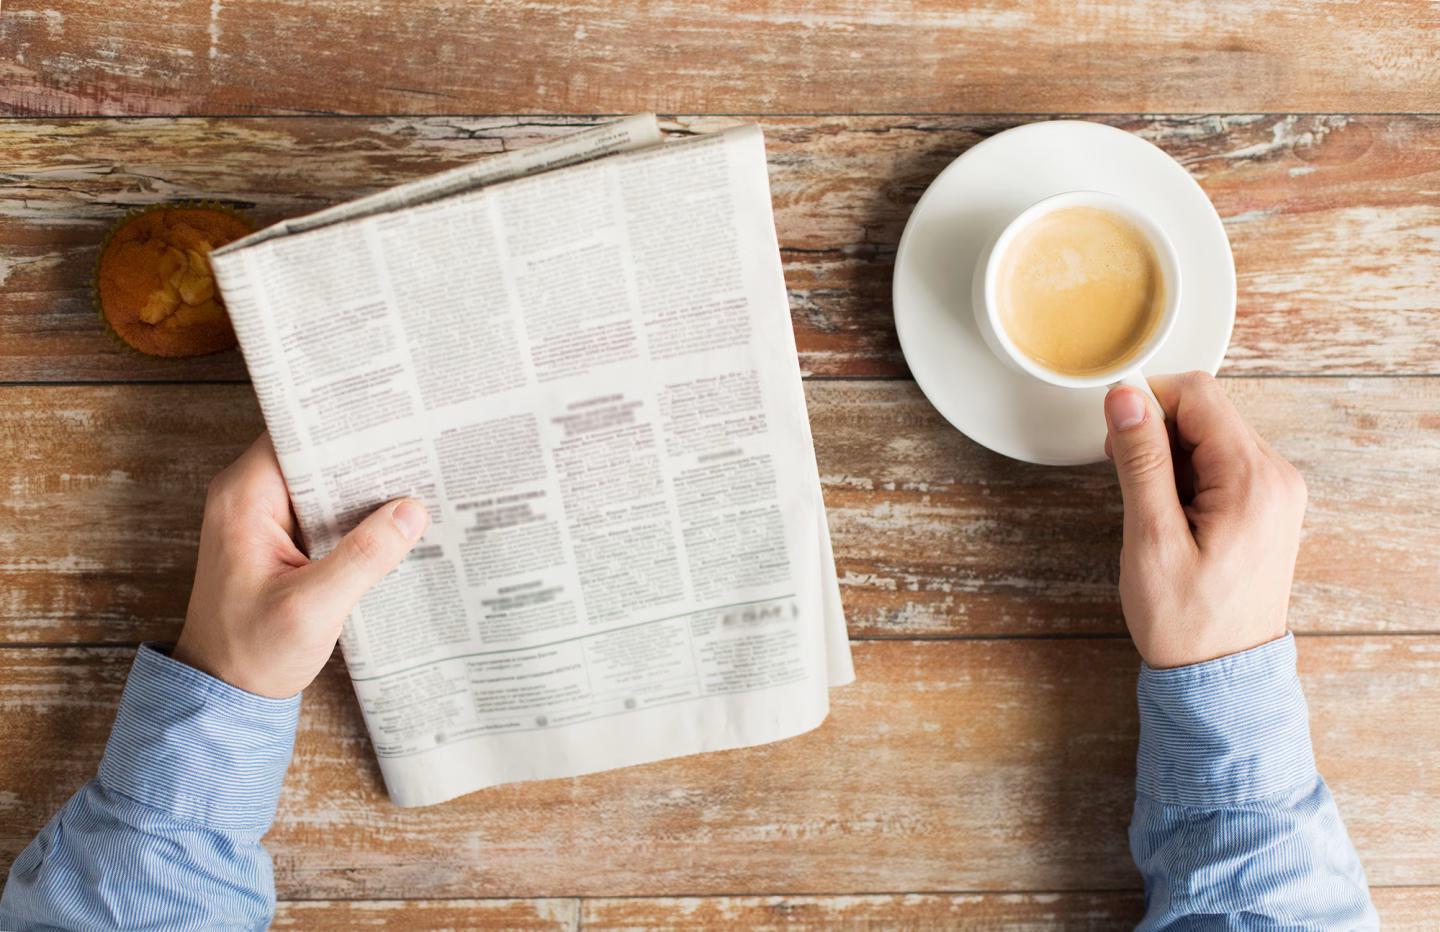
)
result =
(986, 305)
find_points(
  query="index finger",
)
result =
(1206, 422)
(256, 474)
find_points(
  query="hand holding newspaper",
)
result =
(585, 367)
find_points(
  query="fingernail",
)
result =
(1125, 408)
(410, 517)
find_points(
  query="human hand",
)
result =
(1212, 523)
(262, 616)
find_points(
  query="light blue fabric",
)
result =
(167, 837)
(1233, 826)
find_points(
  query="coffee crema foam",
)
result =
(1080, 291)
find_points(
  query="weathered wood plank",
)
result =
(1410, 909)
(551, 915)
(1335, 221)
(1000, 766)
(104, 488)
(1400, 908)
(1014, 912)
(586, 56)
(934, 536)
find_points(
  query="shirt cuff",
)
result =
(1228, 731)
(197, 748)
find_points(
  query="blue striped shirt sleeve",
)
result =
(168, 834)
(1233, 825)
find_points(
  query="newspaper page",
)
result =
(589, 376)
(633, 132)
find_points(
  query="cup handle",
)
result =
(1136, 379)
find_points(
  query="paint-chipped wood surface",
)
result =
(934, 536)
(979, 773)
(1402, 908)
(885, 56)
(991, 765)
(509, 915)
(1334, 219)
(1411, 909)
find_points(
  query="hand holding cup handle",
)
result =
(1212, 523)
(1226, 589)
(1136, 379)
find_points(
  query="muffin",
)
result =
(153, 281)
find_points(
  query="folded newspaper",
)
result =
(579, 355)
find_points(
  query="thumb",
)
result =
(372, 549)
(1140, 446)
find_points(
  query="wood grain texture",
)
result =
(104, 488)
(587, 56)
(1335, 222)
(1412, 909)
(1403, 908)
(538, 915)
(1002, 766)
(934, 536)
(1014, 912)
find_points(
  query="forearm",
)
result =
(168, 834)
(1231, 817)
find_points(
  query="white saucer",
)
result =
(966, 207)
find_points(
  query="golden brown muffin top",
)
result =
(156, 288)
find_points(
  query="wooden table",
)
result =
(980, 770)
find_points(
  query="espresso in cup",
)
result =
(1080, 291)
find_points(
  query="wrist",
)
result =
(184, 652)
(212, 659)
(193, 655)
(1173, 653)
